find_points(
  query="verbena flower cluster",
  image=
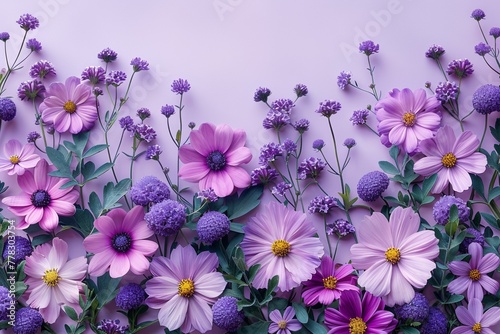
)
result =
(199, 241)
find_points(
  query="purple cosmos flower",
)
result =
(107, 55)
(22, 249)
(43, 200)
(482, 49)
(368, 48)
(447, 91)
(144, 132)
(486, 99)
(495, 32)
(283, 324)
(310, 168)
(17, 158)
(269, 152)
(212, 227)
(328, 108)
(328, 283)
(109, 326)
(7, 109)
(94, 74)
(472, 275)
(153, 152)
(396, 257)
(359, 316)
(441, 210)
(41, 69)
(475, 236)
(130, 297)
(474, 320)
(208, 195)
(284, 243)
(340, 227)
(478, 14)
(214, 158)
(28, 321)
(31, 90)
(349, 142)
(343, 80)
(318, 144)
(4, 36)
(281, 188)
(139, 64)
(167, 110)
(276, 120)
(406, 117)
(180, 86)
(434, 52)
(116, 78)
(300, 90)
(451, 158)
(33, 136)
(166, 218)
(322, 204)
(301, 126)
(263, 175)
(226, 314)
(461, 68)
(149, 190)
(34, 45)
(436, 322)
(120, 245)
(415, 310)
(372, 185)
(359, 117)
(183, 287)
(69, 106)
(261, 94)
(127, 123)
(283, 105)
(28, 22)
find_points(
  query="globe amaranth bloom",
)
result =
(368, 48)
(300, 90)
(94, 74)
(372, 185)
(53, 281)
(7, 109)
(322, 204)
(115, 78)
(166, 218)
(183, 287)
(356, 315)
(482, 49)
(261, 94)
(180, 86)
(407, 117)
(212, 226)
(461, 68)
(451, 158)
(226, 314)
(42, 200)
(359, 117)
(434, 52)
(328, 283)
(149, 190)
(474, 320)
(214, 158)
(109, 326)
(472, 275)
(328, 108)
(70, 106)
(28, 321)
(4, 36)
(436, 322)
(283, 242)
(167, 110)
(130, 297)
(127, 123)
(486, 99)
(343, 80)
(472, 235)
(478, 14)
(417, 310)
(495, 32)
(107, 55)
(283, 324)
(21, 249)
(396, 257)
(28, 22)
(447, 91)
(31, 90)
(318, 144)
(34, 45)
(340, 227)
(310, 168)
(139, 64)
(120, 245)
(441, 209)
(42, 69)
(18, 158)
(5, 302)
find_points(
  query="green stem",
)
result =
(336, 155)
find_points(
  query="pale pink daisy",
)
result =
(183, 287)
(396, 257)
(42, 200)
(53, 281)
(18, 158)
(214, 158)
(473, 319)
(451, 158)
(406, 117)
(120, 245)
(283, 324)
(70, 106)
(472, 275)
(284, 243)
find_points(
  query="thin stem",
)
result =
(336, 155)
(484, 130)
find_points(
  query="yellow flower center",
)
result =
(357, 326)
(392, 255)
(282, 324)
(14, 159)
(69, 107)
(330, 282)
(474, 275)
(476, 328)
(186, 288)
(449, 160)
(51, 277)
(409, 119)
(281, 248)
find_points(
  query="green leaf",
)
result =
(494, 193)
(277, 304)
(409, 330)
(82, 221)
(41, 239)
(260, 327)
(94, 150)
(428, 184)
(19, 289)
(112, 193)
(178, 136)
(315, 328)
(236, 227)
(394, 153)
(252, 272)
(388, 167)
(95, 204)
(452, 225)
(491, 220)
(246, 202)
(454, 299)
(80, 139)
(477, 185)
(300, 313)
(101, 170)
(272, 284)
(60, 162)
(88, 170)
(107, 288)
(71, 313)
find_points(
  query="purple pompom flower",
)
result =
(322, 204)
(340, 227)
(477, 237)
(417, 310)
(22, 249)
(94, 74)
(368, 48)
(127, 123)
(212, 226)
(301, 126)
(7, 109)
(318, 144)
(289, 147)
(34, 45)
(328, 108)
(343, 80)
(139, 64)
(486, 99)
(109, 326)
(149, 190)
(461, 68)
(153, 152)
(436, 322)
(372, 185)
(28, 321)
(5, 302)
(441, 210)
(41, 69)
(495, 32)
(283, 105)
(349, 142)
(4, 36)
(226, 314)
(180, 86)
(28, 22)
(167, 110)
(263, 175)
(261, 94)
(107, 55)
(130, 297)
(166, 218)
(33, 136)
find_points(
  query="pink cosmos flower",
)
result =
(396, 256)
(406, 117)
(474, 320)
(451, 158)
(472, 275)
(70, 106)
(183, 287)
(18, 158)
(120, 246)
(327, 284)
(284, 324)
(43, 199)
(214, 158)
(53, 281)
(283, 242)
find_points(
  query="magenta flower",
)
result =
(359, 316)
(18, 158)
(283, 324)
(472, 275)
(406, 117)
(120, 246)
(53, 281)
(327, 284)
(283, 242)
(43, 199)
(183, 287)
(451, 158)
(214, 159)
(70, 106)
(474, 320)
(395, 256)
